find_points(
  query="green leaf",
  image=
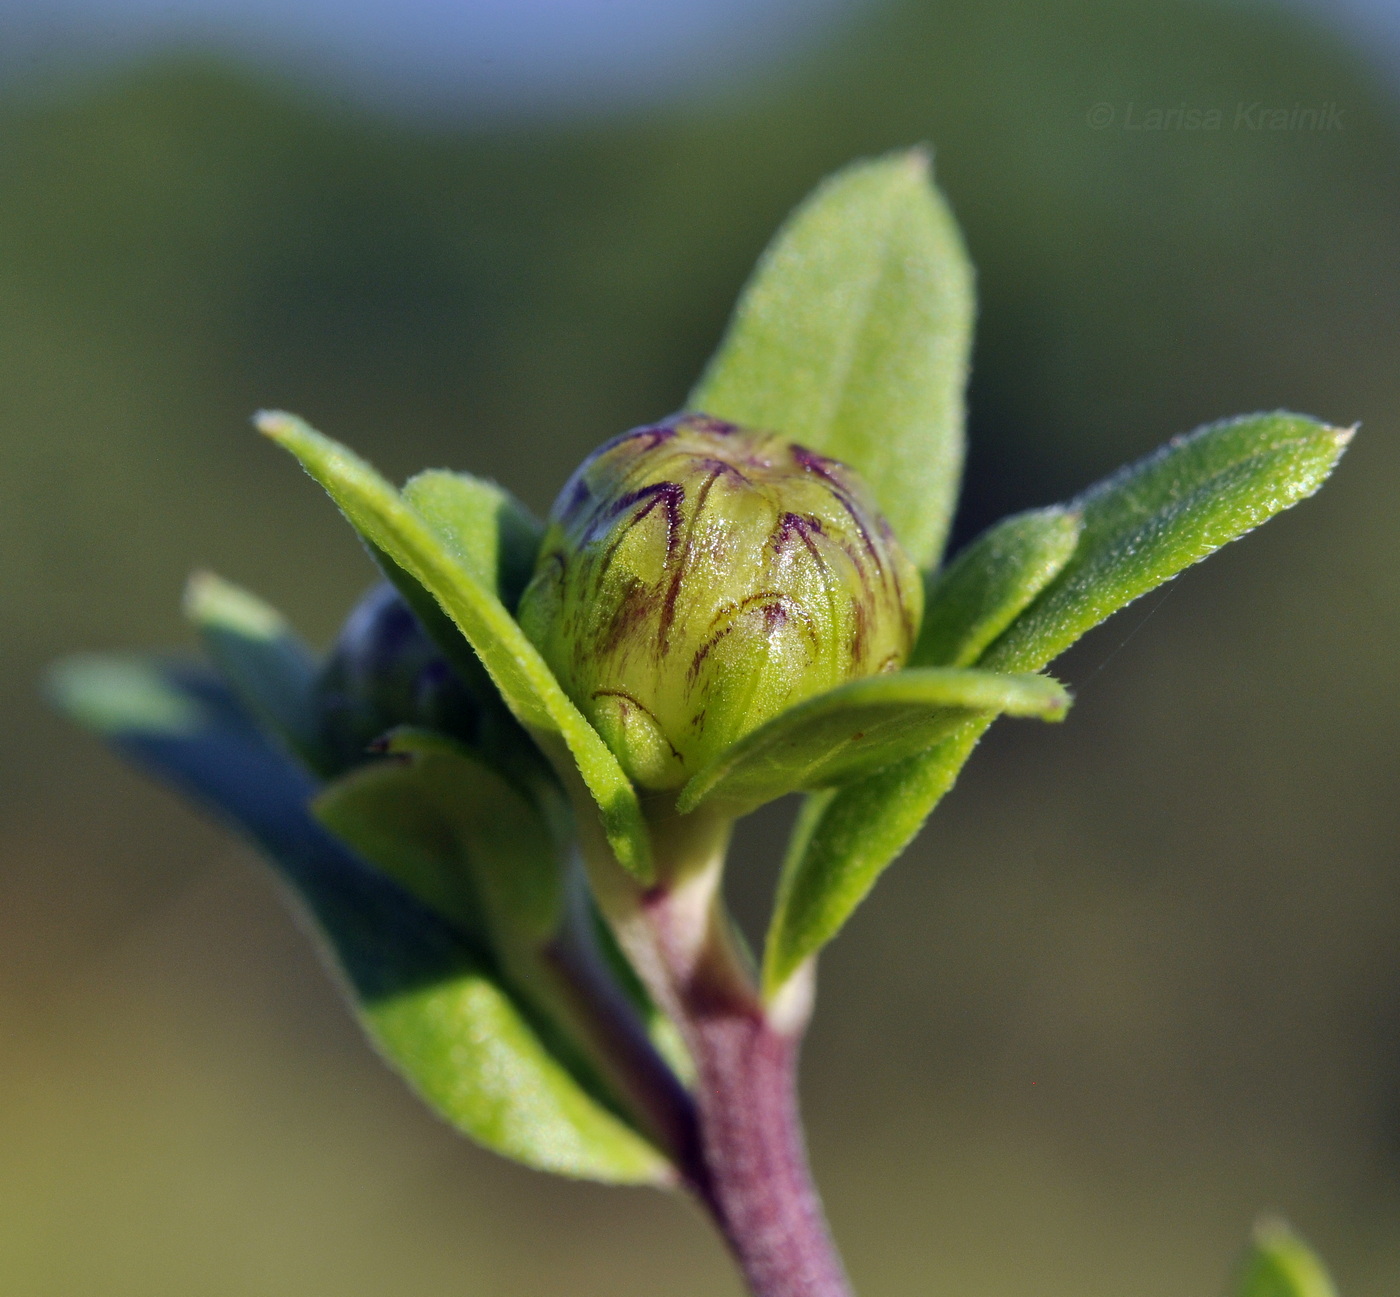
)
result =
(1157, 517)
(844, 840)
(1140, 527)
(473, 849)
(848, 733)
(525, 682)
(384, 814)
(853, 337)
(1280, 1264)
(270, 668)
(469, 1051)
(431, 1002)
(493, 535)
(470, 1048)
(500, 741)
(439, 627)
(491, 850)
(986, 587)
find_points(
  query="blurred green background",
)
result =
(1140, 977)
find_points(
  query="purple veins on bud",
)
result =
(698, 578)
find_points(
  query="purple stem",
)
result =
(765, 1202)
(757, 1184)
(619, 1045)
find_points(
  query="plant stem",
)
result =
(766, 1204)
(750, 1172)
(619, 1045)
(760, 1190)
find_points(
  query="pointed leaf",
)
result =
(849, 733)
(1140, 527)
(526, 683)
(427, 997)
(1280, 1264)
(1157, 517)
(474, 850)
(483, 525)
(439, 627)
(982, 591)
(844, 840)
(853, 336)
(266, 662)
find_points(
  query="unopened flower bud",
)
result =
(698, 578)
(383, 671)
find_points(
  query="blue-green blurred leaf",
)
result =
(429, 998)
(852, 338)
(483, 525)
(114, 695)
(377, 511)
(1140, 527)
(849, 733)
(1280, 1264)
(983, 590)
(270, 668)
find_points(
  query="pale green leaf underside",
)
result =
(383, 812)
(983, 590)
(852, 337)
(1140, 528)
(437, 1013)
(525, 682)
(502, 838)
(1280, 1264)
(470, 1053)
(850, 732)
(266, 662)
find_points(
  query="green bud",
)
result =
(698, 578)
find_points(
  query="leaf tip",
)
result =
(212, 603)
(1054, 702)
(294, 434)
(1343, 436)
(277, 424)
(689, 796)
(918, 159)
(1280, 1263)
(116, 696)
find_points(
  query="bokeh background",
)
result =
(1139, 978)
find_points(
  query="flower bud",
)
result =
(698, 578)
(384, 671)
